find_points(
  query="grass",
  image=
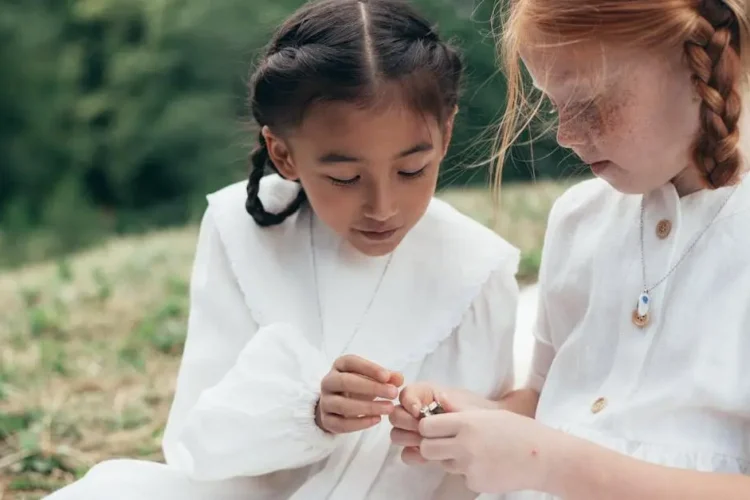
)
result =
(91, 344)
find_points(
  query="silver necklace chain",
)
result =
(320, 305)
(690, 247)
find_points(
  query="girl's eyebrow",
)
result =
(337, 157)
(418, 148)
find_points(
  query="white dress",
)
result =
(242, 423)
(676, 393)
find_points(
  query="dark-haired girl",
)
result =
(319, 290)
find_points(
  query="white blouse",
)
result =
(677, 392)
(242, 423)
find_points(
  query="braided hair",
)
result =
(712, 34)
(345, 50)
(713, 56)
(259, 161)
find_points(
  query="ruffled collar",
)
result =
(434, 275)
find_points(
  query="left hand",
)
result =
(495, 450)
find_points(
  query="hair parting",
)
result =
(354, 51)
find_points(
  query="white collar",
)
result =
(437, 271)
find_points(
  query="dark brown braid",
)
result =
(259, 161)
(713, 55)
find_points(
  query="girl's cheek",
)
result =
(614, 114)
(599, 119)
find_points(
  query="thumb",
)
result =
(447, 404)
(414, 398)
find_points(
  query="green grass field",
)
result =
(91, 344)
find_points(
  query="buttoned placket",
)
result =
(634, 343)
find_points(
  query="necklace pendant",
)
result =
(640, 313)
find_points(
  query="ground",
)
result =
(91, 343)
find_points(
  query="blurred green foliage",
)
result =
(119, 115)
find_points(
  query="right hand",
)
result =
(348, 395)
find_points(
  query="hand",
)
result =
(348, 395)
(405, 418)
(495, 450)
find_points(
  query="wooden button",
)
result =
(599, 405)
(663, 228)
(638, 320)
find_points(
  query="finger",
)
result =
(411, 456)
(451, 466)
(438, 449)
(360, 397)
(414, 408)
(396, 380)
(402, 419)
(345, 407)
(340, 425)
(445, 425)
(407, 439)
(355, 384)
(351, 363)
(414, 398)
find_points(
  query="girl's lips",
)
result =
(378, 235)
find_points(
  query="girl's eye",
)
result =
(414, 174)
(343, 182)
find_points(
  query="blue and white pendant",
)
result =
(640, 314)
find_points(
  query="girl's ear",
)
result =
(448, 130)
(280, 154)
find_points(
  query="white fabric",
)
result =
(242, 422)
(678, 391)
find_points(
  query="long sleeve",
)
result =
(244, 404)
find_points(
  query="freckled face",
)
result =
(630, 115)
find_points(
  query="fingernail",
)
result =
(415, 408)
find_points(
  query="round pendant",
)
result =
(639, 320)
